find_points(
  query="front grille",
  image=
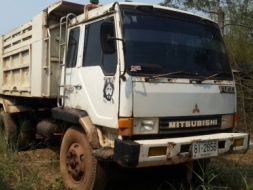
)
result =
(179, 125)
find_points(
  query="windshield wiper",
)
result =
(168, 74)
(209, 77)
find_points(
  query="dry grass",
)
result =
(38, 169)
(34, 169)
(234, 171)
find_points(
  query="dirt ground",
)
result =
(45, 162)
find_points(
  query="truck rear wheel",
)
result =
(9, 130)
(25, 136)
(79, 168)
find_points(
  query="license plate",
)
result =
(204, 149)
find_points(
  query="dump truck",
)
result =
(136, 84)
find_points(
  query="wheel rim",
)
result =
(75, 162)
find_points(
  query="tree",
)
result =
(188, 5)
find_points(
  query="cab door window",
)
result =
(93, 55)
(72, 51)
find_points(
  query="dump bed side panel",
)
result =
(29, 54)
(16, 60)
(39, 56)
(24, 55)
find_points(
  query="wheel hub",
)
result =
(75, 162)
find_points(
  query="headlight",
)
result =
(227, 121)
(146, 126)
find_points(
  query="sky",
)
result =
(14, 13)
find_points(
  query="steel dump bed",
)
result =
(29, 54)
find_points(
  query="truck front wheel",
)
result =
(79, 168)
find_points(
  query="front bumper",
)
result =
(178, 150)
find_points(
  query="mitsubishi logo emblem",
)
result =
(196, 109)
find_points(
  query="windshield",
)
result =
(156, 44)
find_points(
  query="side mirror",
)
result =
(107, 34)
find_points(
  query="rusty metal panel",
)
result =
(10, 107)
(90, 130)
(67, 7)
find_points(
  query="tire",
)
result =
(79, 168)
(25, 136)
(9, 129)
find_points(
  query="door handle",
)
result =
(78, 87)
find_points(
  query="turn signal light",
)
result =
(238, 142)
(126, 126)
(157, 151)
(236, 119)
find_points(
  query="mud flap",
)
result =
(126, 153)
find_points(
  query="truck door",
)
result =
(71, 64)
(94, 80)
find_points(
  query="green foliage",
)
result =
(240, 49)
(222, 173)
(13, 174)
(247, 186)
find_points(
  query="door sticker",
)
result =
(135, 68)
(108, 89)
